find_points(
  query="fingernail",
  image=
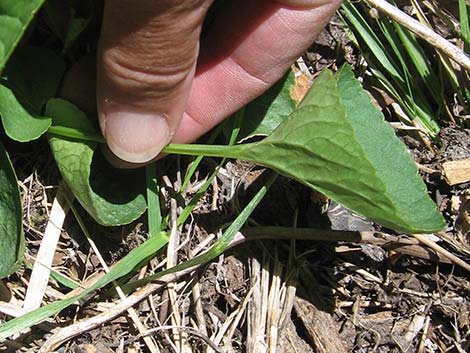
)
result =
(136, 137)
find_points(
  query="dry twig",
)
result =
(423, 32)
(440, 250)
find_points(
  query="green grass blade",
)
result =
(403, 85)
(64, 280)
(198, 160)
(396, 60)
(370, 38)
(59, 277)
(195, 199)
(154, 215)
(202, 190)
(464, 25)
(122, 268)
(421, 63)
(220, 245)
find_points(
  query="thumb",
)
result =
(146, 62)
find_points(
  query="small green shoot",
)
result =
(154, 216)
(220, 245)
(464, 25)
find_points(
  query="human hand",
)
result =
(150, 90)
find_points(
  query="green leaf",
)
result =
(264, 114)
(338, 143)
(9, 26)
(11, 218)
(62, 18)
(111, 196)
(392, 164)
(75, 28)
(19, 124)
(464, 25)
(33, 77)
(35, 74)
(15, 15)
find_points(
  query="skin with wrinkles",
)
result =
(157, 80)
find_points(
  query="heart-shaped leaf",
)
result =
(111, 196)
(338, 143)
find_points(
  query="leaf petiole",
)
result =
(174, 148)
(68, 132)
(223, 151)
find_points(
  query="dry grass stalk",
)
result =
(236, 321)
(41, 269)
(179, 337)
(423, 32)
(66, 333)
(198, 309)
(257, 308)
(440, 250)
(149, 341)
(254, 318)
(270, 307)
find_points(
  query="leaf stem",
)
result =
(63, 131)
(203, 150)
(175, 148)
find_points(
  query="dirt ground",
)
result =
(293, 296)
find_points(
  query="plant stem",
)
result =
(68, 132)
(204, 150)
